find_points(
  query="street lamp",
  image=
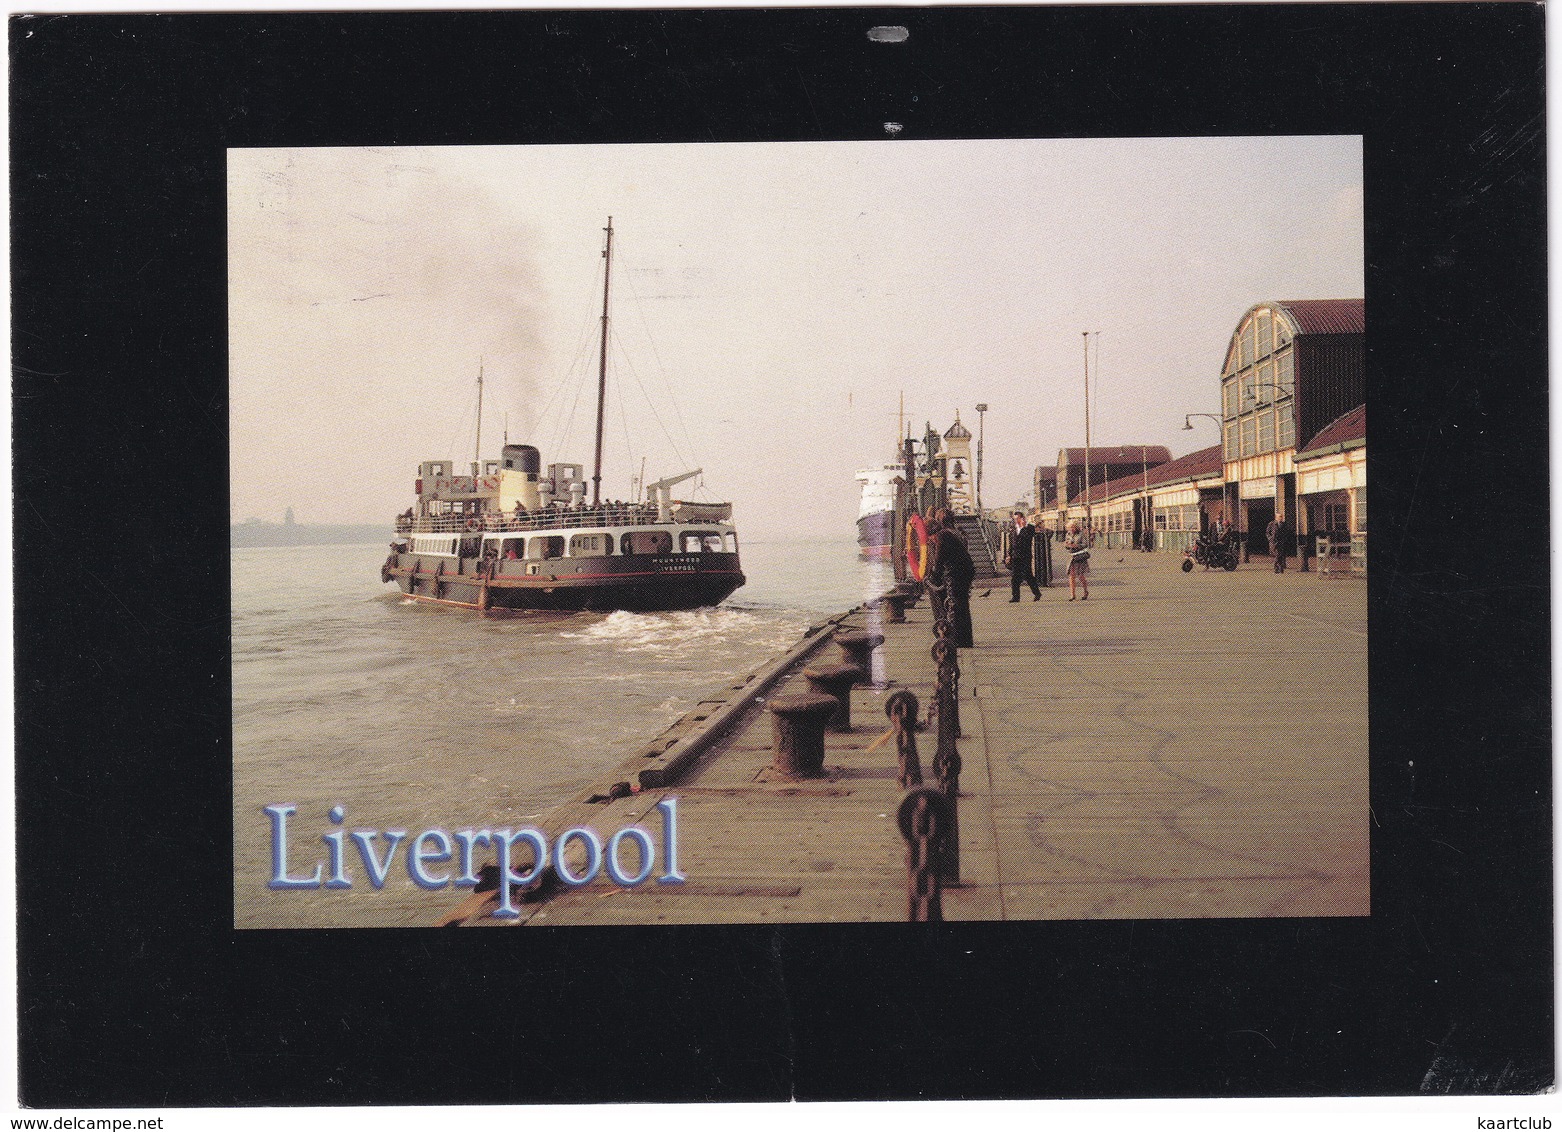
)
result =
(1280, 389)
(1089, 526)
(1147, 534)
(981, 431)
(1187, 424)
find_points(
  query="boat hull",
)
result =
(874, 537)
(635, 583)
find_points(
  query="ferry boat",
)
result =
(506, 537)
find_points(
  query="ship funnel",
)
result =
(526, 460)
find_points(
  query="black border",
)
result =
(135, 992)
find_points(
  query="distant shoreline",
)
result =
(296, 534)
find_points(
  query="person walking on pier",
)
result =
(1078, 545)
(951, 568)
(1276, 533)
(1021, 550)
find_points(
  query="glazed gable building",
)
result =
(1291, 369)
(1293, 447)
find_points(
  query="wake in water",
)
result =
(691, 633)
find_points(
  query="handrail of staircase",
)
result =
(985, 527)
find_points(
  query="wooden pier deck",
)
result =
(1181, 745)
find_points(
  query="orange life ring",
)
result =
(916, 547)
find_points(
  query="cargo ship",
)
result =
(876, 511)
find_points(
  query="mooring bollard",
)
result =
(858, 647)
(835, 681)
(902, 711)
(946, 759)
(893, 606)
(923, 816)
(799, 733)
(911, 592)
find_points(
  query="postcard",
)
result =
(541, 350)
(846, 530)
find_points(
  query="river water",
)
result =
(410, 716)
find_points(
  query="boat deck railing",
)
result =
(552, 520)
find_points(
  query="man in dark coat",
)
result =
(1276, 532)
(1021, 572)
(951, 568)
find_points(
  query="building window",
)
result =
(1181, 518)
(1286, 435)
(1359, 498)
(1229, 440)
(1228, 393)
(1266, 432)
(1336, 517)
(1249, 436)
(1285, 366)
(1265, 333)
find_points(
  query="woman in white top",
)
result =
(1078, 545)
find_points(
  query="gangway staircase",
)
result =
(982, 539)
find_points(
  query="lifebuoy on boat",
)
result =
(916, 547)
(474, 524)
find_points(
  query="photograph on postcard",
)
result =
(625, 534)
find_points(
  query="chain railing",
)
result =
(923, 817)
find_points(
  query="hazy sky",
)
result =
(770, 304)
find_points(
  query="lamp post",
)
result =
(1086, 335)
(1187, 425)
(981, 432)
(1147, 541)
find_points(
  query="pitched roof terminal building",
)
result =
(1293, 369)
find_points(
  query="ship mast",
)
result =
(607, 272)
(477, 445)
